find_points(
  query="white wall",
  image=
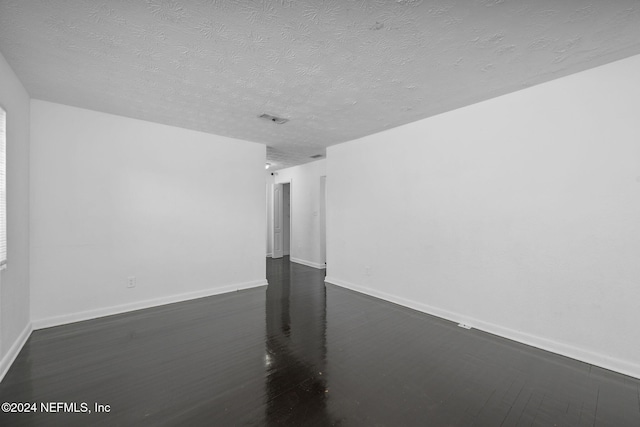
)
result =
(113, 197)
(519, 215)
(305, 211)
(14, 280)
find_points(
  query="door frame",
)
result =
(273, 217)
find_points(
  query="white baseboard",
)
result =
(622, 366)
(14, 350)
(307, 263)
(269, 255)
(108, 311)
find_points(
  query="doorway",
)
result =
(282, 232)
(323, 220)
(286, 219)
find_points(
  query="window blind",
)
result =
(3, 188)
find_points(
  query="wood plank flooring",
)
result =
(299, 353)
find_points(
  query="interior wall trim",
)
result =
(621, 366)
(14, 350)
(307, 263)
(139, 305)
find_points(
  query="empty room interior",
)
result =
(319, 213)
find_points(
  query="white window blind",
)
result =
(3, 188)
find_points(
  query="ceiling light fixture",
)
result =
(273, 119)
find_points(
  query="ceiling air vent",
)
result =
(317, 156)
(274, 119)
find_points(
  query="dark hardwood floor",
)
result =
(300, 353)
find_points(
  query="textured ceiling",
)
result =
(337, 69)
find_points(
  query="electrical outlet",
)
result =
(464, 326)
(131, 282)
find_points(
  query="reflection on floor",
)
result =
(300, 353)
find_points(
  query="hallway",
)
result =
(304, 354)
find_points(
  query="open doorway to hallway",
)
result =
(323, 220)
(297, 214)
(281, 220)
(286, 219)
